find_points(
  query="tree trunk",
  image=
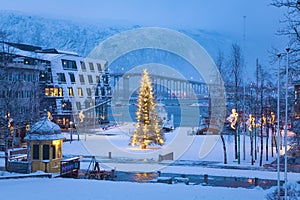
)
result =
(224, 149)
(6, 148)
(261, 145)
(251, 141)
(267, 142)
(273, 141)
(235, 145)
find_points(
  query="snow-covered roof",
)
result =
(44, 130)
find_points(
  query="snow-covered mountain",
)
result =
(54, 33)
(83, 37)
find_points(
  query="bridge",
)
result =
(165, 87)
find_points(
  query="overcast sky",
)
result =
(262, 20)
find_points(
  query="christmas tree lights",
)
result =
(147, 131)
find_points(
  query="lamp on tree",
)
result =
(147, 130)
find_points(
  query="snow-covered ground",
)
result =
(187, 150)
(78, 189)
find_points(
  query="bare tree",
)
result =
(291, 22)
(236, 66)
(220, 66)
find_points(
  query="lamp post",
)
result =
(286, 122)
(252, 121)
(278, 127)
(71, 131)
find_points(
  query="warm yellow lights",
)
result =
(147, 131)
(81, 116)
(233, 118)
(55, 142)
(251, 122)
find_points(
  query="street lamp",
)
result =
(278, 127)
(286, 122)
(71, 133)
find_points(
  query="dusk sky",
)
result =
(213, 14)
(262, 20)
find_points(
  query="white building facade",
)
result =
(70, 85)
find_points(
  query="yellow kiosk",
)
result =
(44, 143)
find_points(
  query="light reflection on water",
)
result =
(172, 107)
(141, 177)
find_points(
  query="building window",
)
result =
(81, 78)
(91, 66)
(89, 91)
(83, 67)
(71, 93)
(53, 151)
(54, 92)
(90, 79)
(35, 152)
(46, 152)
(72, 77)
(61, 78)
(99, 67)
(78, 105)
(80, 92)
(66, 105)
(87, 104)
(69, 64)
(97, 79)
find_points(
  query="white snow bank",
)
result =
(61, 189)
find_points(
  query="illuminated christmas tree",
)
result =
(147, 130)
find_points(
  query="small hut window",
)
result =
(36, 152)
(46, 152)
(53, 152)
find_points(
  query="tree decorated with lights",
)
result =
(147, 130)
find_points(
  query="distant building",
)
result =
(296, 118)
(19, 95)
(68, 84)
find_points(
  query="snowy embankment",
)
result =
(61, 189)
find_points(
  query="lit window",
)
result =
(80, 92)
(69, 64)
(54, 92)
(47, 92)
(71, 91)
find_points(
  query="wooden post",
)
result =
(205, 179)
